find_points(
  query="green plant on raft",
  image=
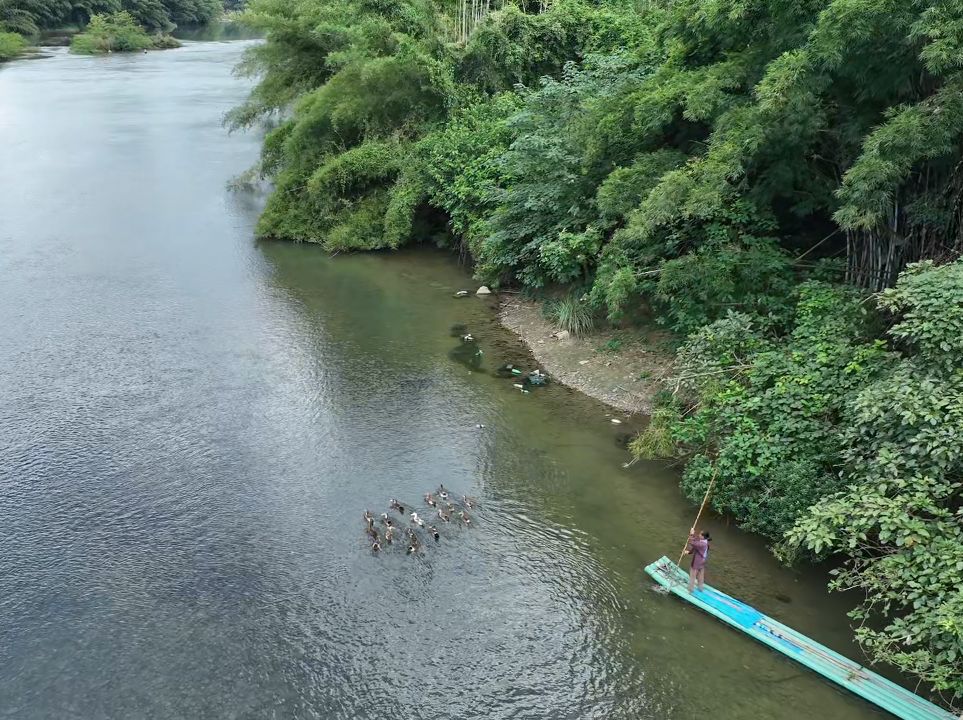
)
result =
(572, 313)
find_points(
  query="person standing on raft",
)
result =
(698, 548)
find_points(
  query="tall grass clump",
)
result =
(572, 313)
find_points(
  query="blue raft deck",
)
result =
(878, 690)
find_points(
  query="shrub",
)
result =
(116, 32)
(11, 45)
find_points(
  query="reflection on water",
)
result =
(191, 424)
(227, 29)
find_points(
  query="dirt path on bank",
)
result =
(621, 368)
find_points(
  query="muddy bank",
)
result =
(621, 368)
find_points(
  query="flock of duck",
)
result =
(442, 510)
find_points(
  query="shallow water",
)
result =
(191, 424)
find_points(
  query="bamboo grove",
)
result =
(779, 182)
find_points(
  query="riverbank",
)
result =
(621, 368)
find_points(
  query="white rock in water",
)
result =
(483, 290)
(616, 421)
(562, 335)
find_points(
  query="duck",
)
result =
(375, 546)
(417, 520)
(434, 533)
(442, 493)
(445, 517)
(410, 550)
(368, 517)
(468, 502)
(384, 519)
(464, 518)
(430, 499)
(389, 534)
(373, 533)
(395, 505)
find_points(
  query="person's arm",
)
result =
(692, 537)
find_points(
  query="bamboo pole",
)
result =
(695, 524)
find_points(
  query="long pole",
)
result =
(702, 507)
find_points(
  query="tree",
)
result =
(11, 45)
(117, 32)
(899, 519)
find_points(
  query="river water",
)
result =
(191, 424)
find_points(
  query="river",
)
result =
(191, 424)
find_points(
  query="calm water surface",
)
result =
(192, 423)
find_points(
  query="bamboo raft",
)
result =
(844, 672)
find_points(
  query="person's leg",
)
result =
(702, 578)
(692, 578)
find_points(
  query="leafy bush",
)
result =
(767, 412)
(117, 32)
(899, 515)
(11, 45)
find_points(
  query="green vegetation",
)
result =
(843, 434)
(571, 313)
(11, 45)
(117, 32)
(754, 176)
(29, 17)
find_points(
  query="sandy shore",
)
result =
(621, 368)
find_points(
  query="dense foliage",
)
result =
(116, 32)
(748, 173)
(29, 17)
(834, 440)
(11, 45)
